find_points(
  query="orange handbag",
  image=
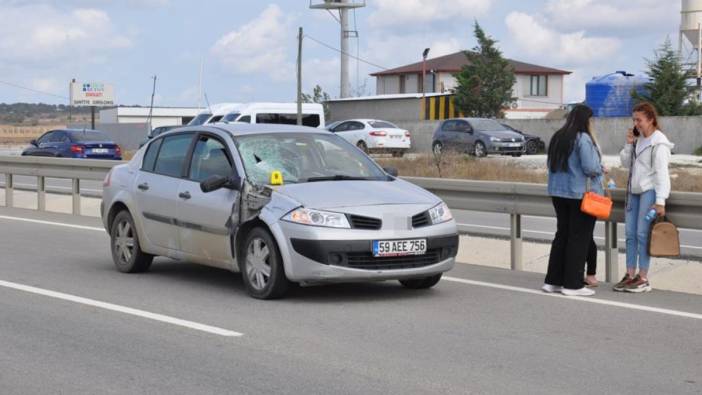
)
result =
(597, 205)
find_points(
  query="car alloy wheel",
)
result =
(437, 148)
(480, 150)
(532, 147)
(126, 250)
(258, 270)
(124, 242)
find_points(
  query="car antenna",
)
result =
(208, 102)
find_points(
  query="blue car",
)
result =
(74, 143)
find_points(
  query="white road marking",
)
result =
(630, 306)
(121, 309)
(36, 221)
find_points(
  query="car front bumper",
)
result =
(319, 255)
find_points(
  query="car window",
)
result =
(89, 135)
(266, 118)
(487, 125)
(449, 126)
(214, 119)
(231, 117)
(45, 138)
(200, 119)
(356, 126)
(209, 158)
(245, 119)
(342, 127)
(150, 156)
(301, 156)
(382, 124)
(171, 156)
(463, 126)
(311, 120)
(61, 137)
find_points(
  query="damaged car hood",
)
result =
(335, 194)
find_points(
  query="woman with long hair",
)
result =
(647, 156)
(574, 167)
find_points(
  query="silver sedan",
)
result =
(278, 203)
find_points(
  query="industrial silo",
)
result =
(610, 95)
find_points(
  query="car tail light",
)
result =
(408, 134)
(107, 180)
(378, 133)
(118, 151)
(77, 149)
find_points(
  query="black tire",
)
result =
(398, 154)
(479, 149)
(517, 155)
(532, 147)
(421, 283)
(124, 243)
(362, 146)
(437, 148)
(259, 254)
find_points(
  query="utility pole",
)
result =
(299, 77)
(151, 107)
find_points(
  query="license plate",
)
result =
(100, 150)
(399, 247)
(514, 145)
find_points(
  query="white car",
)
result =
(373, 135)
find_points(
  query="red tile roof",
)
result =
(454, 62)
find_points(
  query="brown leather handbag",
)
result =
(664, 239)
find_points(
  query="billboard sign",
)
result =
(91, 94)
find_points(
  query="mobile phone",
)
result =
(636, 132)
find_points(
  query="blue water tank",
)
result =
(610, 95)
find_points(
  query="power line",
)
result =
(33, 90)
(344, 53)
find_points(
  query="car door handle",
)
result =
(184, 195)
(143, 187)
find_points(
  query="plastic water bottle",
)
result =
(611, 184)
(651, 215)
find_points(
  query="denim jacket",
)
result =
(584, 162)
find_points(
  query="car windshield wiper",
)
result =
(337, 177)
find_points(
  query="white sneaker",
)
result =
(578, 292)
(548, 288)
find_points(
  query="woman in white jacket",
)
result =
(646, 155)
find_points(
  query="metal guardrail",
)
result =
(43, 168)
(515, 199)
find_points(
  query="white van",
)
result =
(280, 113)
(213, 114)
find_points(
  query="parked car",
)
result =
(533, 144)
(74, 143)
(374, 135)
(477, 136)
(157, 131)
(278, 203)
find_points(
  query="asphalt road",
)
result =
(480, 330)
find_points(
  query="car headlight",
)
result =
(307, 216)
(440, 213)
(494, 139)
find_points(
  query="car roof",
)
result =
(241, 129)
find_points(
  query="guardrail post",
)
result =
(9, 190)
(611, 252)
(41, 193)
(515, 230)
(76, 195)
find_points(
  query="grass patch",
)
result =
(698, 152)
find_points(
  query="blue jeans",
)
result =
(637, 229)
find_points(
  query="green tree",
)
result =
(318, 96)
(668, 90)
(484, 85)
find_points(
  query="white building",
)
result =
(161, 116)
(538, 89)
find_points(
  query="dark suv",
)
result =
(477, 136)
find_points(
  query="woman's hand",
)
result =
(630, 136)
(660, 210)
(605, 170)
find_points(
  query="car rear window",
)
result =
(382, 124)
(150, 156)
(89, 135)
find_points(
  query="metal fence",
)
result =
(514, 199)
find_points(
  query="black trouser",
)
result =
(571, 244)
(592, 259)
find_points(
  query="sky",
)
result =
(247, 49)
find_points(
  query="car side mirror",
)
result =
(34, 143)
(215, 182)
(392, 171)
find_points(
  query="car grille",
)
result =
(359, 222)
(421, 219)
(366, 260)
